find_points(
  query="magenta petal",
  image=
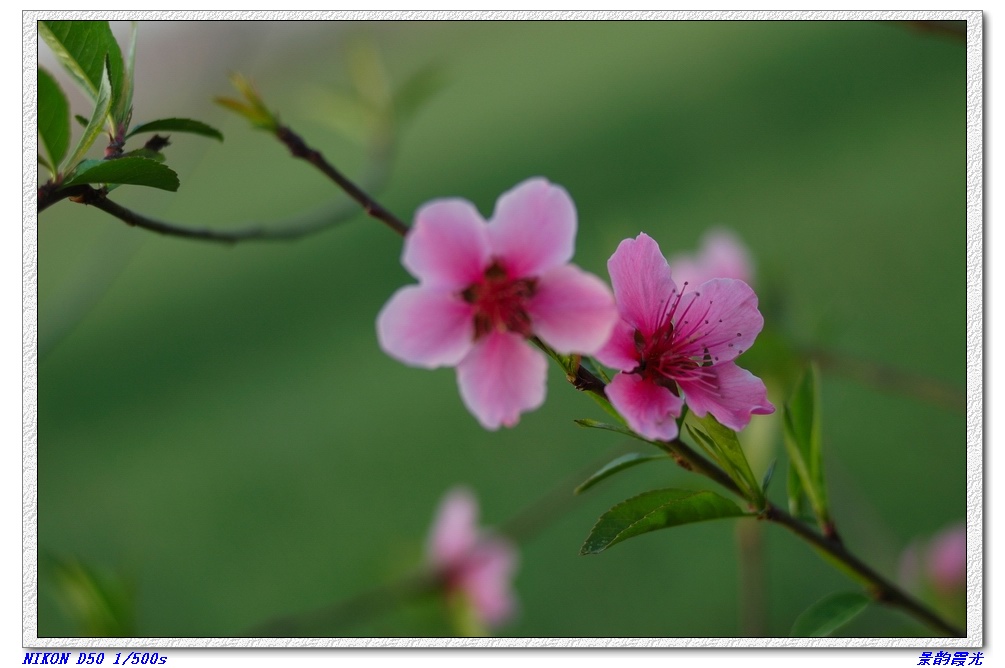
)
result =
(719, 318)
(500, 378)
(487, 580)
(620, 351)
(533, 228)
(572, 311)
(425, 327)
(455, 529)
(650, 409)
(448, 245)
(722, 255)
(642, 284)
(737, 395)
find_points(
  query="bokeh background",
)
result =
(221, 442)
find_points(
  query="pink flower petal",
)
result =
(572, 311)
(425, 327)
(947, 559)
(650, 409)
(500, 378)
(722, 255)
(487, 580)
(455, 529)
(533, 228)
(736, 396)
(448, 246)
(620, 351)
(719, 318)
(642, 284)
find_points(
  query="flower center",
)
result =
(500, 302)
(662, 357)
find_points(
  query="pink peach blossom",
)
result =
(721, 255)
(672, 346)
(940, 561)
(471, 562)
(484, 288)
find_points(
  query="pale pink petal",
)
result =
(533, 228)
(620, 352)
(500, 378)
(649, 409)
(642, 284)
(720, 319)
(722, 255)
(425, 327)
(947, 559)
(732, 396)
(487, 580)
(448, 245)
(572, 311)
(455, 528)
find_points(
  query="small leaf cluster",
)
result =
(91, 56)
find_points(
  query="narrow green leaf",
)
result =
(93, 129)
(730, 454)
(53, 118)
(615, 465)
(828, 615)
(156, 156)
(657, 509)
(804, 441)
(417, 90)
(619, 429)
(99, 604)
(768, 475)
(45, 163)
(177, 125)
(795, 490)
(81, 47)
(135, 171)
(124, 107)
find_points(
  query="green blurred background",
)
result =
(218, 430)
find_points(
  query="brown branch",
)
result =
(881, 589)
(50, 193)
(891, 379)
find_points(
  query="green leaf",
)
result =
(725, 446)
(252, 107)
(81, 47)
(134, 171)
(619, 464)
(657, 509)
(80, 119)
(124, 107)
(768, 475)
(99, 605)
(53, 118)
(804, 441)
(93, 129)
(795, 491)
(417, 90)
(618, 429)
(828, 615)
(177, 125)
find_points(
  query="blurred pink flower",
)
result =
(947, 558)
(470, 562)
(486, 287)
(671, 342)
(941, 561)
(722, 255)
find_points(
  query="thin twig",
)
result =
(50, 194)
(891, 379)
(882, 589)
